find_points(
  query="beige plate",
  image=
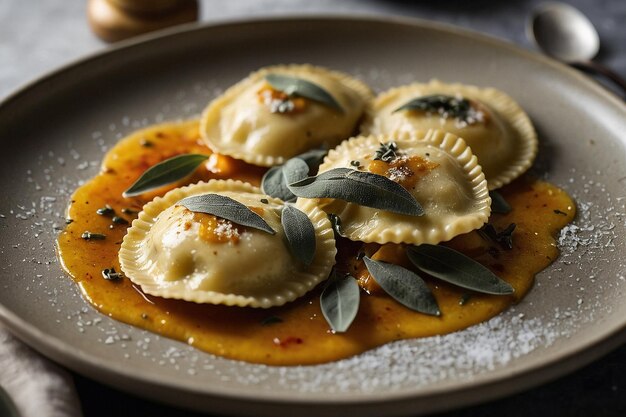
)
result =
(49, 129)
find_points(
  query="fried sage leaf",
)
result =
(457, 269)
(362, 188)
(404, 286)
(498, 203)
(293, 86)
(226, 208)
(439, 103)
(166, 172)
(300, 234)
(340, 302)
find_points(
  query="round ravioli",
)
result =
(281, 111)
(173, 252)
(492, 123)
(438, 169)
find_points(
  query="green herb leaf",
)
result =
(340, 302)
(457, 269)
(386, 152)
(300, 234)
(268, 321)
(166, 172)
(107, 210)
(404, 286)
(335, 222)
(503, 238)
(498, 203)
(119, 220)
(226, 208)
(295, 170)
(313, 158)
(363, 188)
(87, 235)
(111, 274)
(274, 182)
(293, 86)
(447, 106)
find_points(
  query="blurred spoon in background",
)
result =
(566, 34)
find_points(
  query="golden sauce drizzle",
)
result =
(302, 336)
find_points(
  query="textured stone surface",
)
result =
(38, 36)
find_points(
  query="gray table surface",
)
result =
(37, 36)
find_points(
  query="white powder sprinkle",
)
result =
(588, 245)
(226, 229)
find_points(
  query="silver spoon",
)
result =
(564, 33)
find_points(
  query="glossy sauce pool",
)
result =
(297, 333)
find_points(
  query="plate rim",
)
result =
(538, 372)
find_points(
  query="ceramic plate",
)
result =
(54, 133)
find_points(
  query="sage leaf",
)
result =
(300, 234)
(226, 208)
(165, 172)
(313, 158)
(274, 184)
(438, 103)
(457, 269)
(404, 286)
(340, 302)
(503, 238)
(498, 203)
(295, 170)
(362, 188)
(293, 86)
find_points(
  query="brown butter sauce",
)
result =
(302, 335)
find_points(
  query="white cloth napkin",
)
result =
(37, 387)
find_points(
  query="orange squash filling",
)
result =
(406, 171)
(297, 333)
(216, 230)
(279, 102)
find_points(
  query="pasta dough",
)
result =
(437, 168)
(496, 128)
(172, 252)
(256, 123)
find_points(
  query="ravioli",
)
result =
(496, 128)
(437, 168)
(172, 252)
(257, 123)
